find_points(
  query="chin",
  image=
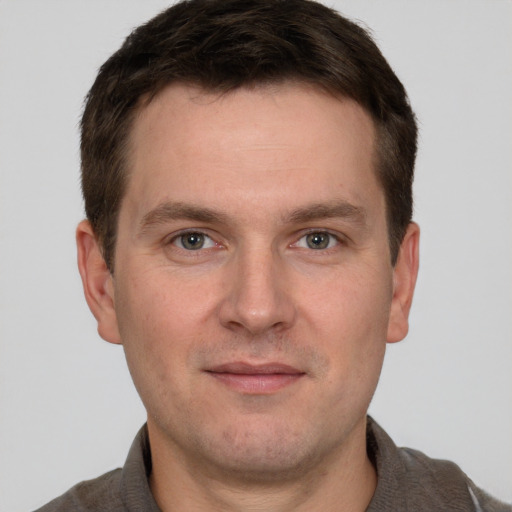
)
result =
(261, 455)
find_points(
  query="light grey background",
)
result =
(68, 410)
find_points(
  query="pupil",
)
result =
(317, 240)
(192, 241)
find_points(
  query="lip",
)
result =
(255, 379)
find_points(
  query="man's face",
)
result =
(253, 291)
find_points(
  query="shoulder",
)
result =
(410, 480)
(449, 484)
(120, 490)
(100, 494)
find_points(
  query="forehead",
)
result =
(268, 145)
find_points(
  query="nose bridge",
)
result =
(257, 299)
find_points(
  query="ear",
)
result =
(404, 281)
(97, 282)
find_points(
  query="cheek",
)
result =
(350, 303)
(357, 321)
(161, 300)
(161, 318)
(156, 346)
(348, 316)
(150, 325)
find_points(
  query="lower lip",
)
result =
(257, 384)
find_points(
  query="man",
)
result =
(247, 170)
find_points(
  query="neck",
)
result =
(344, 480)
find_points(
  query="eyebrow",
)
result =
(338, 209)
(170, 211)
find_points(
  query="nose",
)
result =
(257, 298)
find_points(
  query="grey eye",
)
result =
(318, 240)
(191, 241)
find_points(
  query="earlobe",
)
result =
(404, 281)
(97, 282)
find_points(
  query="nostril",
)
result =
(239, 314)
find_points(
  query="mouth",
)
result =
(255, 379)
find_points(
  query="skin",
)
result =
(258, 177)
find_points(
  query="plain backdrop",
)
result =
(68, 409)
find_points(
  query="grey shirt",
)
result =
(408, 480)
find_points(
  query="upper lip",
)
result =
(242, 368)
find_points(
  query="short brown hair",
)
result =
(221, 45)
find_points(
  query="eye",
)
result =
(193, 241)
(318, 240)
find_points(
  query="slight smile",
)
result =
(258, 379)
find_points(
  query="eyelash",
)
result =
(179, 236)
(332, 237)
